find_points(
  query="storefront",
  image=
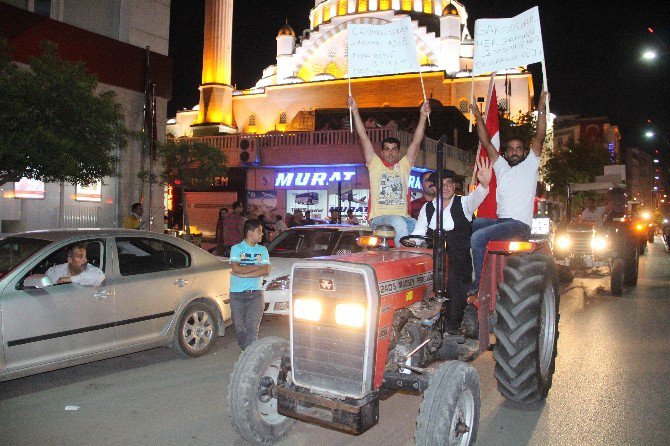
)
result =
(318, 189)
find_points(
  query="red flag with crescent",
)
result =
(488, 208)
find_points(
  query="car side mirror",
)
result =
(37, 281)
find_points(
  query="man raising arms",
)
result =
(516, 173)
(389, 175)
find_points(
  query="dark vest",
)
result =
(458, 239)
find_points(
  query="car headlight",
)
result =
(350, 315)
(307, 309)
(598, 243)
(279, 283)
(563, 242)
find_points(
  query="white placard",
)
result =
(31, 189)
(92, 192)
(508, 43)
(375, 50)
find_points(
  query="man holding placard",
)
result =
(516, 172)
(389, 175)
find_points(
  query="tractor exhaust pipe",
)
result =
(439, 243)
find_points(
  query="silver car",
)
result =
(303, 242)
(158, 290)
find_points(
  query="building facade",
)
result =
(111, 38)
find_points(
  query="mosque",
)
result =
(294, 122)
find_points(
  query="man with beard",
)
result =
(516, 173)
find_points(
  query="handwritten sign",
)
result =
(508, 43)
(375, 50)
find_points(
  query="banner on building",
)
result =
(91, 192)
(27, 188)
(262, 202)
(508, 43)
(354, 199)
(375, 50)
(305, 200)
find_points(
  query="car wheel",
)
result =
(449, 412)
(197, 330)
(526, 328)
(252, 407)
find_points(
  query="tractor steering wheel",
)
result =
(416, 241)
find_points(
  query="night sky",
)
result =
(592, 51)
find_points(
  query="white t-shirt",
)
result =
(90, 276)
(469, 203)
(516, 188)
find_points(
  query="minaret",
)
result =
(216, 93)
(285, 48)
(450, 39)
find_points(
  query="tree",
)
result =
(195, 164)
(576, 163)
(53, 125)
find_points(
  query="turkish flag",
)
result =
(488, 208)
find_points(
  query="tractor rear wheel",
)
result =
(449, 412)
(526, 328)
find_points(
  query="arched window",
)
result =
(502, 103)
(282, 118)
(428, 6)
(342, 7)
(326, 12)
(252, 120)
(406, 5)
(362, 5)
(384, 5)
(463, 106)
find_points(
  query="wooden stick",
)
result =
(545, 86)
(472, 97)
(423, 88)
(351, 118)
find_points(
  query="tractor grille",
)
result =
(325, 355)
(580, 242)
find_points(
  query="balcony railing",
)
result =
(329, 139)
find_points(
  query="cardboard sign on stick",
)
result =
(508, 43)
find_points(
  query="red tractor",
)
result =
(365, 325)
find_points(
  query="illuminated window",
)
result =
(252, 120)
(428, 6)
(326, 12)
(406, 5)
(282, 118)
(342, 7)
(463, 106)
(384, 4)
(362, 5)
(333, 69)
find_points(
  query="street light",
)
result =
(649, 55)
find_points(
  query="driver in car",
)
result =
(77, 269)
(457, 223)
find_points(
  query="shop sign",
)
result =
(311, 178)
(91, 192)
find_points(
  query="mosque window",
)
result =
(362, 5)
(252, 120)
(384, 5)
(342, 7)
(463, 106)
(502, 103)
(326, 12)
(428, 6)
(406, 5)
(282, 118)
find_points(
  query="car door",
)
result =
(59, 322)
(153, 278)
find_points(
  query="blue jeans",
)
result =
(487, 229)
(246, 308)
(403, 225)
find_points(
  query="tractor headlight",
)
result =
(350, 315)
(279, 283)
(562, 242)
(598, 243)
(307, 309)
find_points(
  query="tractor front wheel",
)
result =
(526, 328)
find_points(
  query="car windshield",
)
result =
(14, 250)
(304, 243)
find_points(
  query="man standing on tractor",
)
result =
(389, 175)
(429, 193)
(516, 174)
(456, 221)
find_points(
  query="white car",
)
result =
(303, 242)
(157, 291)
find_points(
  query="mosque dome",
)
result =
(450, 9)
(286, 30)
